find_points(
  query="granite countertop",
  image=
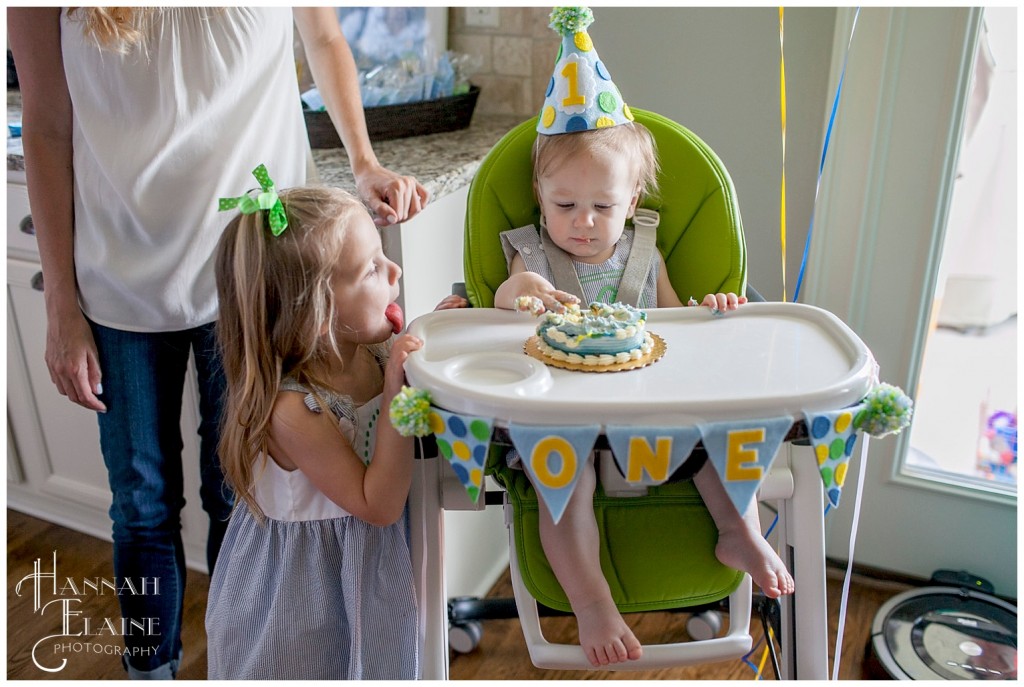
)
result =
(443, 162)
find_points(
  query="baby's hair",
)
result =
(632, 139)
(277, 312)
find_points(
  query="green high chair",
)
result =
(658, 548)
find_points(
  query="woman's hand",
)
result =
(391, 197)
(723, 301)
(73, 361)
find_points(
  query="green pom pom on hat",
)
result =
(571, 20)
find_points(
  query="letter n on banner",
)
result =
(742, 452)
(649, 455)
(554, 457)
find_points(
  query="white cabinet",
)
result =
(55, 469)
(429, 249)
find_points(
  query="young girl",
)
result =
(314, 579)
(588, 184)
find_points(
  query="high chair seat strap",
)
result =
(645, 234)
(562, 270)
(638, 265)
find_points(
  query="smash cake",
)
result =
(602, 337)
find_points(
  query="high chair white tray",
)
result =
(765, 359)
(762, 360)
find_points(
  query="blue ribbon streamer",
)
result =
(821, 165)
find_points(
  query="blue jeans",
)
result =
(140, 437)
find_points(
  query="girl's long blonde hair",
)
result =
(277, 312)
(113, 28)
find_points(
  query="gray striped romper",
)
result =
(313, 592)
(599, 282)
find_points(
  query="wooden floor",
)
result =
(501, 655)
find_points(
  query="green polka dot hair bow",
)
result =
(267, 199)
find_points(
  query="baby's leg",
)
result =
(740, 543)
(573, 549)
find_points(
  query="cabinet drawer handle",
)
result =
(37, 281)
(26, 225)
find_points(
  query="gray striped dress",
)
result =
(313, 592)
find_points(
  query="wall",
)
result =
(715, 71)
(517, 57)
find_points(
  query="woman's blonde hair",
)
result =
(114, 28)
(277, 313)
(632, 140)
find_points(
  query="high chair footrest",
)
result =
(544, 654)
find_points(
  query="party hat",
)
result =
(581, 94)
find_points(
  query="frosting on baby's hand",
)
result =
(530, 304)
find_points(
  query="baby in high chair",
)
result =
(592, 164)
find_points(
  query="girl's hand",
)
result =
(723, 301)
(452, 302)
(394, 373)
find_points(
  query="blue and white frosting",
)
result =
(604, 334)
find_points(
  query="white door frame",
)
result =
(880, 224)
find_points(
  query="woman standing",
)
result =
(136, 120)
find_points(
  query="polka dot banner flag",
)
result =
(463, 440)
(833, 435)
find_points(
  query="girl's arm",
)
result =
(390, 196)
(522, 282)
(375, 493)
(34, 39)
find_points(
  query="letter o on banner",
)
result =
(540, 461)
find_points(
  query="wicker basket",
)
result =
(398, 121)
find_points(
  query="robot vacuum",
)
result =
(946, 633)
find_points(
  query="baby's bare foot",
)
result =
(604, 635)
(750, 552)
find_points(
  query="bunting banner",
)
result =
(742, 452)
(649, 455)
(463, 440)
(833, 435)
(554, 458)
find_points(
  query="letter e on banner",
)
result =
(741, 464)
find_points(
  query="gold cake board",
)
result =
(532, 349)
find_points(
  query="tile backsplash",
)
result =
(518, 56)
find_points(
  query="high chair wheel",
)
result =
(464, 635)
(704, 626)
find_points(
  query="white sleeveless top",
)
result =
(159, 135)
